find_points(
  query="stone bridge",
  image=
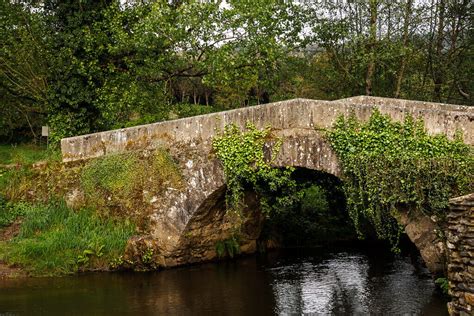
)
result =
(186, 223)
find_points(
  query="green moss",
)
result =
(55, 240)
(114, 174)
(122, 184)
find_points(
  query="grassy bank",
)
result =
(24, 153)
(54, 239)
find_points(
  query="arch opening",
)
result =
(319, 218)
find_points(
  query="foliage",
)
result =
(9, 211)
(389, 166)
(115, 183)
(443, 284)
(112, 62)
(229, 247)
(87, 254)
(147, 256)
(94, 65)
(76, 65)
(175, 111)
(318, 217)
(56, 240)
(245, 165)
(23, 72)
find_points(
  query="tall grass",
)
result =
(55, 240)
(24, 153)
(16, 180)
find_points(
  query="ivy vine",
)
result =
(247, 165)
(389, 166)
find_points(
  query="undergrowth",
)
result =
(17, 180)
(9, 212)
(228, 247)
(55, 240)
(248, 166)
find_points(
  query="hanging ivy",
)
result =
(389, 166)
(242, 154)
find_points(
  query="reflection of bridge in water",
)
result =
(186, 223)
(372, 282)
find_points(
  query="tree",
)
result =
(23, 71)
(77, 65)
(373, 5)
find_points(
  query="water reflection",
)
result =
(319, 281)
(356, 282)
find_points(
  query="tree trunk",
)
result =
(372, 42)
(437, 71)
(403, 62)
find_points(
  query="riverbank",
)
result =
(52, 239)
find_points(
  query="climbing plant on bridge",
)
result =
(245, 165)
(388, 166)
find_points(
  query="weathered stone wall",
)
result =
(296, 115)
(460, 244)
(175, 214)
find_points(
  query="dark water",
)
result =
(336, 281)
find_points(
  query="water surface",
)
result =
(337, 281)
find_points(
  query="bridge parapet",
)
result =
(293, 115)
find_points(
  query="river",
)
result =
(336, 280)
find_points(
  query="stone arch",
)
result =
(211, 223)
(298, 121)
(208, 223)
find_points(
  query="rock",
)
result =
(460, 256)
(469, 298)
(75, 198)
(143, 253)
(40, 165)
(422, 232)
